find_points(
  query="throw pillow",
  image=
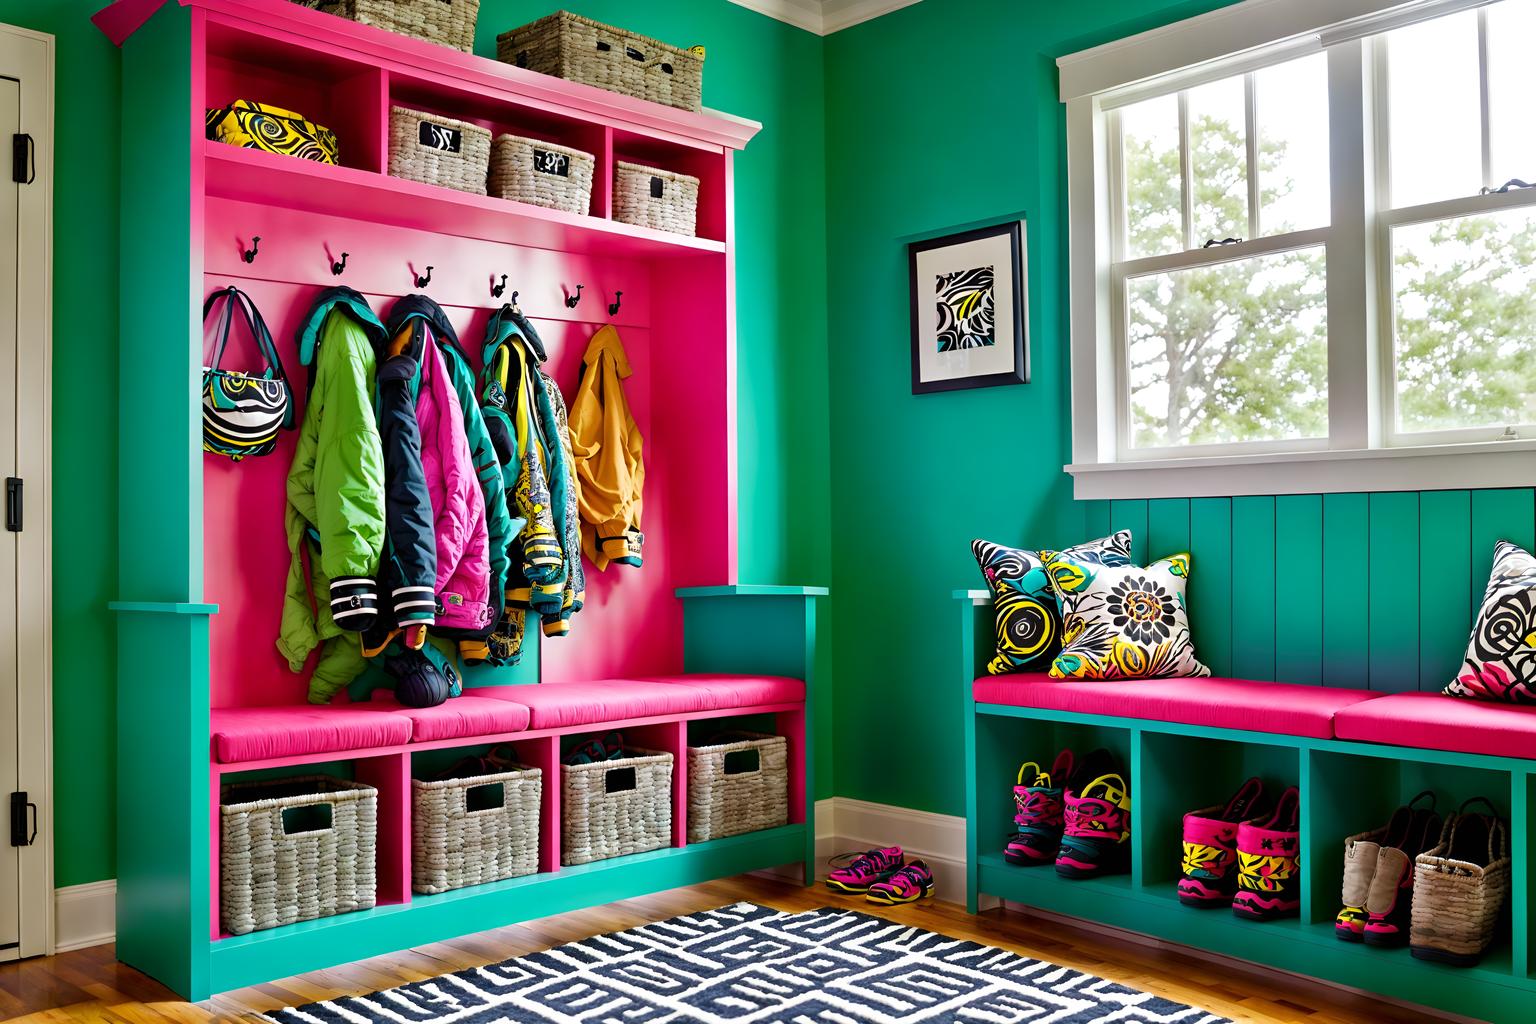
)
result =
(1028, 620)
(1501, 657)
(1123, 622)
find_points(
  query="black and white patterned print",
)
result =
(747, 964)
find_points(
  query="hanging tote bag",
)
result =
(242, 412)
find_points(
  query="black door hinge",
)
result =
(23, 820)
(23, 159)
(13, 504)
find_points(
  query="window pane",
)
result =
(1234, 352)
(1154, 224)
(1511, 83)
(1466, 322)
(1292, 101)
(1218, 159)
(1435, 113)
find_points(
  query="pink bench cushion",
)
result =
(559, 705)
(1437, 722)
(1284, 708)
(741, 691)
(258, 734)
(460, 717)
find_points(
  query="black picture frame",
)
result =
(1017, 324)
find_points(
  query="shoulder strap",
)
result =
(224, 322)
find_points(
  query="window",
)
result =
(1316, 251)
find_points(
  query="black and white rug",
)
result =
(747, 964)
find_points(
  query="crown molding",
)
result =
(824, 17)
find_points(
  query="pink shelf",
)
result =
(272, 179)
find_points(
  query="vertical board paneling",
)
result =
(1498, 515)
(1346, 589)
(1167, 527)
(1447, 593)
(1253, 587)
(1393, 615)
(1131, 515)
(1298, 611)
(1210, 582)
(1095, 520)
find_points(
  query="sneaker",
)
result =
(1096, 835)
(1389, 902)
(1040, 808)
(1268, 855)
(1207, 877)
(906, 885)
(862, 870)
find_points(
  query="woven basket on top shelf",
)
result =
(438, 150)
(653, 198)
(295, 850)
(453, 846)
(613, 808)
(737, 786)
(579, 49)
(541, 173)
(450, 22)
(1457, 902)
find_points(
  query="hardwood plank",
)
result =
(1448, 596)
(1299, 588)
(1253, 587)
(1346, 584)
(1210, 582)
(1393, 615)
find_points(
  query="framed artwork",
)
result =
(969, 309)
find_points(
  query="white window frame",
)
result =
(1362, 452)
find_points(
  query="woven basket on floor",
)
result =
(579, 49)
(541, 173)
(1457, 903)
(453, 846)
(613, 808)
(438, 150)
(271, 875)
(450, 22)
(654, 198)
(736, 787)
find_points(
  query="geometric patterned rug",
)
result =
(747, 964)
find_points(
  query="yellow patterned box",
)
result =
(262, 126)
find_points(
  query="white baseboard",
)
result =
(84, 915)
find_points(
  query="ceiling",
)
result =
(824, 17)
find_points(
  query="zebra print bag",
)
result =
(243, 412)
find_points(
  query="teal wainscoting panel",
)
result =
(1210, 582)
(1393, 615)
(1447, 594)
(1347, 582)
(1095, 519)
(1507, 514)
(1299, 582)
(1253, 587)
(1131, 515)
(1167, 527)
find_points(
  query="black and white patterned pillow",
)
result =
(1501, 656)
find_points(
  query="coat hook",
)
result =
(514, 299)
(571, 300)
(422, 282)
(337, 266)
(249, 255)
(497, 289)
(613, 307)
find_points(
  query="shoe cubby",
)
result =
(1177, 774)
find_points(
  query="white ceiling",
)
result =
(824, 17)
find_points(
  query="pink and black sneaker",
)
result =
(908, 885)
(862, 870)
(1038, 797)
(1268, 863)
(1208, 876)
(1096, 837)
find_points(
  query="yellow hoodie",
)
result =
(605, 442)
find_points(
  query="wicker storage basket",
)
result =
(739, 786)
(541, 173)
(453, 846)
(438, 150)
(613, 808)
(654, 198)
(1456, 901)
(450, 22)
(581, 50)
(295, 850)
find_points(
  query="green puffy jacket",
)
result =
(335, 515)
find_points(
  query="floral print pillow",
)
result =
(1123, 622)
(1028, 619)
(1501, 657)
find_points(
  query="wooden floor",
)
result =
(88, 985)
